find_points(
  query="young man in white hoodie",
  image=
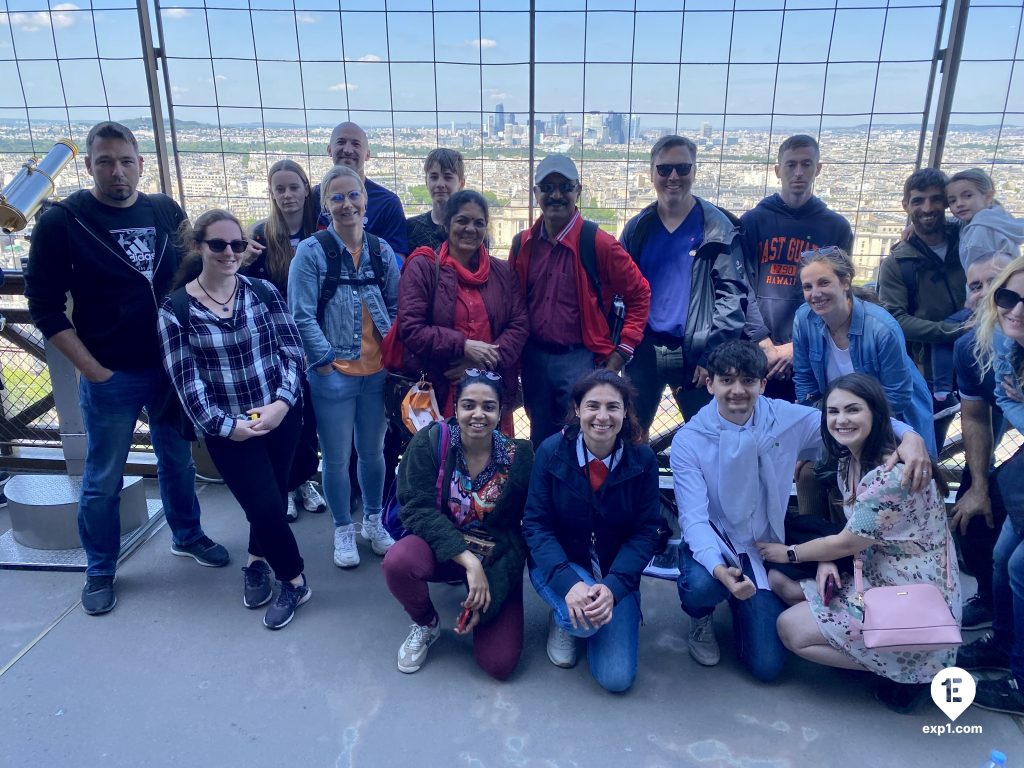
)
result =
(732, 466)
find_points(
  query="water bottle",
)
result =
(996, 759)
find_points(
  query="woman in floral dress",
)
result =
(901, 536)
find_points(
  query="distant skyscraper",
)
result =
(592, 126)
(705, 130)
(616, 130)
(557, 126)
(499, 118)
(634, 128)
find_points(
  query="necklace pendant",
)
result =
(224, 309)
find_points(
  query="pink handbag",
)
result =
(911, 617)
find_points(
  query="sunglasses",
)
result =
(1007, 299)
(828, 250)
(547, 187)
(354, 196)
(217, 245)
(665, 169)
(474, 373)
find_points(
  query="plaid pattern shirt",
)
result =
(222, 367)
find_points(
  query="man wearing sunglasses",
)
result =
(384, 216)
(115, 250)
(922, 281)
(775, 233)
(569, 300)
(689, 251)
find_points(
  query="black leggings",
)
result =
(256, 472)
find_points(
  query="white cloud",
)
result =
(305, 18)
(483, 42)
(216, 78)
(175, 13)
(38, 20)
(370, 57)
(496, 95)
(343, 87)
(178, 90)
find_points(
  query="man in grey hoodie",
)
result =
(775, 233)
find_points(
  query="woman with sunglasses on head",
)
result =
(292, 219)
(901, 536)
(591, 524)
(234, 355)
(342, 339)
(458, 308)
(836, 332)
(462, 479)
(999, 345)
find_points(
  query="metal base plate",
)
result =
(14, 555)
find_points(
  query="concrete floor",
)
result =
(181, 674)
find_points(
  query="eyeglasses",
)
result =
(474, 373)
(665, 169)
(547, 187)
(354, 196)
(828, 250)
(217, 245)
(1007, 299)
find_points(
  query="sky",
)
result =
(744, 69)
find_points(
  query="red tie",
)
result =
(598, 472)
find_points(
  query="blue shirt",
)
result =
(972, 384)
(666, 260)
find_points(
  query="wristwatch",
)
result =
(791, 554)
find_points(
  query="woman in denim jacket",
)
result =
(343, 355)
(836, 333)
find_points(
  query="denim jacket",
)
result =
(878, 348)
(1007, 362)
(340, 338)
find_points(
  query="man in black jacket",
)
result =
(689, 252)
(775, 234)
(113, 248)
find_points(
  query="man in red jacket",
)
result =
(569, 328)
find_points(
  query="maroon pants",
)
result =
(410, 564)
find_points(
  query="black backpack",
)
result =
(333, 279)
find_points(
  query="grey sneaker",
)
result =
(413, 652)
(98, 595)
(282, 610)
(310, 497)
(373, 533)
(561, 645)
(259, 587)
(345, 553)
(291, 511)
(702, 642)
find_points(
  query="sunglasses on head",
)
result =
(826, 250)
(565, 187)
(1007, 299)
(217, 245)
(665, 169)
(474, 373)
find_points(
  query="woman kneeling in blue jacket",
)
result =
(591, 525)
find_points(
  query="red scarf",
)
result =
(470, 311)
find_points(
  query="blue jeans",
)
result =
(343, 405)
(1008, 597)
(110, 410)
(753, 621)
(612, 650)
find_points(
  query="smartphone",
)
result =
(830, 589)
(464, 619)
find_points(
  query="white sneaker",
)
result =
(292, 512)
(345, 553)
(375, 535)
(413, 652)
(310, 497)
(561, 645)
(702, 642)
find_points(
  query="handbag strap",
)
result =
(858, 571)
(443, 440)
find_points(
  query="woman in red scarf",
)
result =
(459, 308)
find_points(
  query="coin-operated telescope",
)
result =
(34, 183)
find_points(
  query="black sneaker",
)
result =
(288, 599)
(901, 698)
(98, 595)
(259, 587)
(204, 551)
(977, 614)
(983, 653)
(1001, 695)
